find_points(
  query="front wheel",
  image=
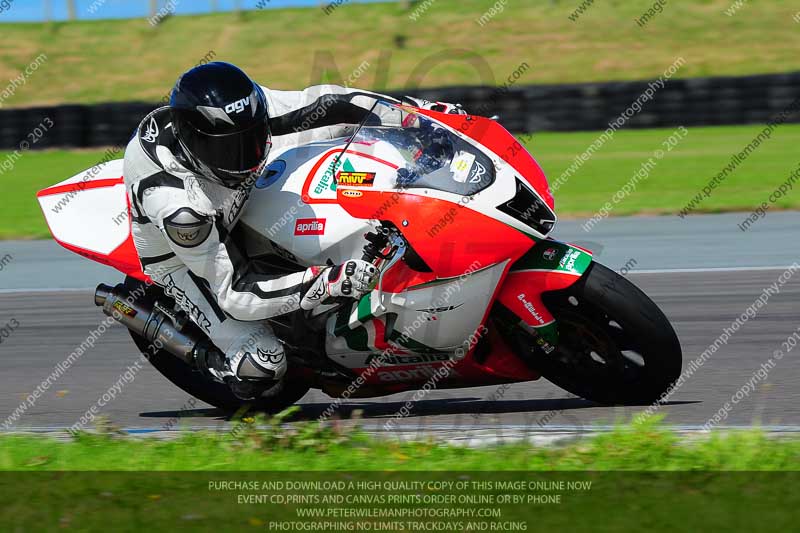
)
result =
(615, 346)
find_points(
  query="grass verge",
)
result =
(309, 479)
(670, 186)
(309, 447)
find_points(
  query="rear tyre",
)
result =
(615, 345)
(210, 391)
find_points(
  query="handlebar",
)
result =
(376, 242)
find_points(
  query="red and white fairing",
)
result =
(318, 201)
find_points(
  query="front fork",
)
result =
(549, 266)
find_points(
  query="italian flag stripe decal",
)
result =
(364, 308)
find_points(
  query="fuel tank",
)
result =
(294, 203)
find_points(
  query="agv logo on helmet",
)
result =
(238, 106)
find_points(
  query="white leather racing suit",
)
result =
(181, 224)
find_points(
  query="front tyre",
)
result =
(615, 346)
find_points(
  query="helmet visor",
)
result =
(232, 153)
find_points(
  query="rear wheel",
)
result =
(210, 391)
(615, 346)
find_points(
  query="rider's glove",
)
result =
(352, 280)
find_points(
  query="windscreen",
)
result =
(434, 157)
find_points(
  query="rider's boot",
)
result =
(244, 373)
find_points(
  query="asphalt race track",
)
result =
(713, 273)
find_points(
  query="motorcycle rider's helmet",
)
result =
(221, 122)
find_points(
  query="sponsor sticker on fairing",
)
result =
(422, 373)
(461, 166)
(383, 359)
(568, 261)
(356, 179)
(310, 226)
(325, 186)
(531, 309)
(477, 174)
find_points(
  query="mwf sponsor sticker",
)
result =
(310, 226)
(355, 179)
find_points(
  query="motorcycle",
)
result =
(456, 215)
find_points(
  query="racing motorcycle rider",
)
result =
(189, 170)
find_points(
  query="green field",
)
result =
(671, 184)
(94, 61)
